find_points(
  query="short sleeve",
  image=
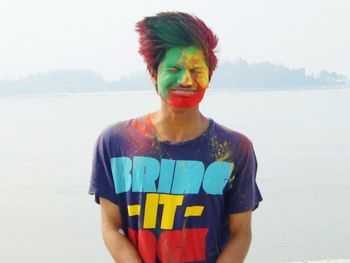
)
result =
(101, 183)
(244, 194)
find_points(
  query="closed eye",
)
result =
(173, 69)
(196, 71)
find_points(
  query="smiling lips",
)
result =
(182, 91)
(185, 97)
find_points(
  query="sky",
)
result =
(99, 35)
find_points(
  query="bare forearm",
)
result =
(236, 249)
(120, 247)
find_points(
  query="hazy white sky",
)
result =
(99, 35)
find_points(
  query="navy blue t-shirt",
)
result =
(175, 198)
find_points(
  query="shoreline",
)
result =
(343, 260)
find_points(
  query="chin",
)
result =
(180, 101)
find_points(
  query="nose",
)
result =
(185, 79)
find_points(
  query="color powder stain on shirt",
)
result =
(143, 127)
(221, 151)
(231, 181)
(172, 200)
(140, 133)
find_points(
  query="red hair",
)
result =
(174, 29)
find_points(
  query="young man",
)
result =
(174, 185)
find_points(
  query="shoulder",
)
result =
(232, 136)
(125, 132)
(120, 128)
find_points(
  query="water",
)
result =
(301, 140)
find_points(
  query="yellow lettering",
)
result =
(134, 210)
(151, 209)
(194, 211)
(170, 202)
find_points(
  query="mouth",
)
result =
(182, 91)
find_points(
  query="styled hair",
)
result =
(166, 30)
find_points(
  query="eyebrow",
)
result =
(195, 68)
(175, 65)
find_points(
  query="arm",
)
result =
(237, 247)
(118, 245)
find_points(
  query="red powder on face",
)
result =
(183, 101)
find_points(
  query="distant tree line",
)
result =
(264, 75)
(237, 75)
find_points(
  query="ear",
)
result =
(154, 81)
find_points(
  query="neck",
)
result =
(178, 124)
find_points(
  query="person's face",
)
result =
(183, 77)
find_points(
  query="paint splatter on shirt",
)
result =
(175, 198)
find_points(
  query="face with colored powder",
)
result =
(183, 77)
